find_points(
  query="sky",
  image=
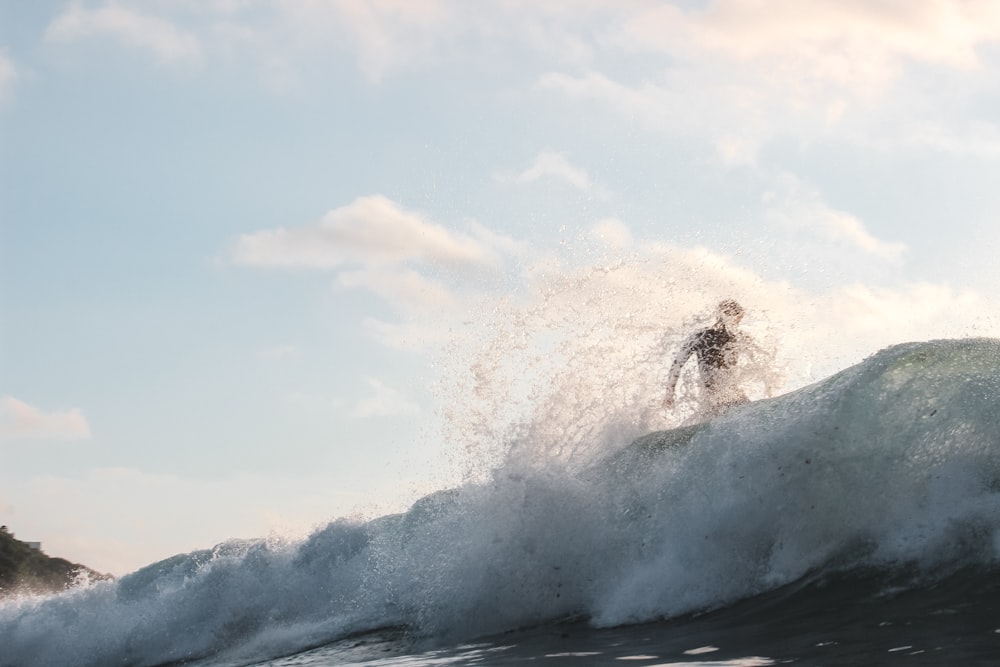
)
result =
(266, 263)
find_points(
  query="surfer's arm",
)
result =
(687, 349)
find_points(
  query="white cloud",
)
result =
(8, 75)
(18, 420)
(385, 35)
(792, 46)
(796, 205)
(158, 36)
(391, 35)
(549, 164)
(378, 399)
(384, 401)
(734, 72)
(414, 335)
(738, 73)
(684, 102)
(918, 306)
(423, 271)
(755, 66)
(502, 243)
(975, 138)
(594, 85)
(405, 289)
(612, 232)
(858, 44)
(370, 231)
(838, 225)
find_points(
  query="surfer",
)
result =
(718, 349)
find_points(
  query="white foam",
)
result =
(894, 461)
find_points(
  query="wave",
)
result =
(892, 465)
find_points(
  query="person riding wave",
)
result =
(717, 349)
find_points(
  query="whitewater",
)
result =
(855, 520)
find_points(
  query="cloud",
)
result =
(413, 335)
(800, 56)
(387, 36)
(796, 205)
(738, 73)
(427, 274)
(680, 103)
(791, 46)
(732, 110)
(405, 289)
(612, 232)
(384, 401)
(371, 231)
(8, 75)
(379, 400)
(384, 36)
(157, 36)
(917, 305)
(501, 243)
(974, 138)
(860, 45)
(549, 164)
(18, 420)
(735, 73)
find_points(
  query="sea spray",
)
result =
(578, 359)
(891, 466)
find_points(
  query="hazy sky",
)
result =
(249, 248)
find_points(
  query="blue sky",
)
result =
(252, 251)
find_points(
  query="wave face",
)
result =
(892, 465)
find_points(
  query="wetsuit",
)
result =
(717, 350)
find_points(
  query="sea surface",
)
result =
(855, 521)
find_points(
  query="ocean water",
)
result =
(853, 521)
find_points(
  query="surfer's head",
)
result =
(729, 312)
